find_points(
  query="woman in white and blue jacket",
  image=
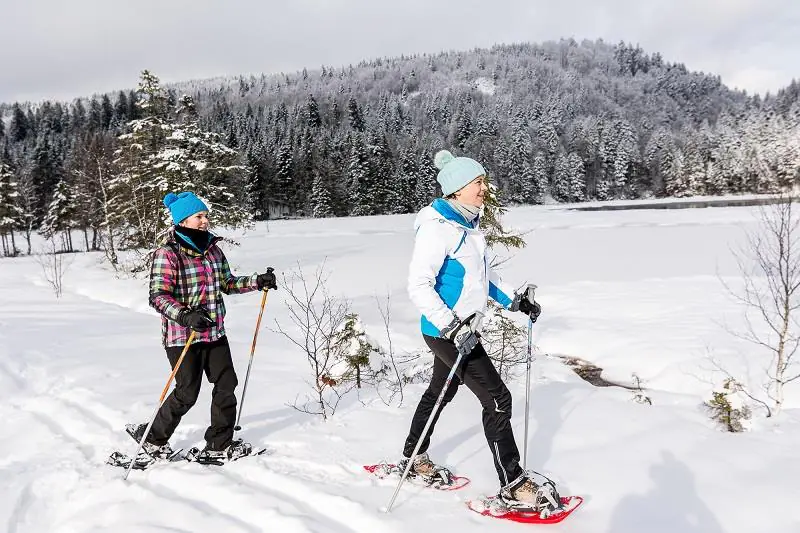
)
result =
(450, 281)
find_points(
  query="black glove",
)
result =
(267, 280)
(525, 303)
(462, 335)
(532, 309)
(196, 319)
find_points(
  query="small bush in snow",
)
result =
(505, 341)
(638, 394)
(315, 320)
(353, 348)
(727, 407)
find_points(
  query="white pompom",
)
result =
(441, 158)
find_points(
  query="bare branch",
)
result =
(770, 270)
(315, 317)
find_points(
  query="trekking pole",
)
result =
(531, 291)
(425, 431)
(427, 425)
(237, 427)
(160, 402)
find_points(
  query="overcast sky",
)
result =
(60, 49)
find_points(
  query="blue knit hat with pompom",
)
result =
(455, 172)
(183, 205)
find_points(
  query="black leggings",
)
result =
(478, 373)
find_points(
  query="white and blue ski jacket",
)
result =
(449, 275)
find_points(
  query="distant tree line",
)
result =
(558, 121)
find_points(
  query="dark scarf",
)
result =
(196, 239)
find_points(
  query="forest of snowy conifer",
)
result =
(558, 121)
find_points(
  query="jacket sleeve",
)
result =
(231, 284)
(163, 278)
(499, 291)
(430, 251)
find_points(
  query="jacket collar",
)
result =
(441, 206)
(172, 238)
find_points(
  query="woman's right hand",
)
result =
(196, 319)
(462, 334)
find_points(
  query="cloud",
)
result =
(55, 49)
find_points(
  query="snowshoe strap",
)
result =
(547, 498)
(442, 476)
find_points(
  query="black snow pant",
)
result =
(213, 359)
(478, 373)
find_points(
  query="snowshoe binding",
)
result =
(530, 493)
(149, 454)
(136, 431)
(425, 470)
(235, 451)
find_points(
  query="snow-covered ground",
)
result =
(630, 291)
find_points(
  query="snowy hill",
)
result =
(629, 291)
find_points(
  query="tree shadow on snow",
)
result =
(671, 506)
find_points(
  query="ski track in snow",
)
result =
(14, 377)
(70, 417)
(301, 507)
(203, 504)
(19, 513)
(325, 505)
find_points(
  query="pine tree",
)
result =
(463, 128)
(539, 171)
(94, 120)
(426, 185)
(284, 174)
(405, 182)
(626, 151)
(561, 179)
(10, 212)
(60, 214)
(354, 348)
(491, 222)
(77, 118)
(314, 120)
(504, 339)
(358, 178)
(381, 194)
(356, 120)
(694, 170)
(19, 128)
(167, 151)
(107, 112)
(672, 168)
(121, 109)
(575, 178)
(46, 171)
(139, 187)
(198, 160)
(321, 198)
(522, 187)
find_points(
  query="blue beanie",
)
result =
(455, 172)
(183, 205)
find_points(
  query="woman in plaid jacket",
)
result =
(188, 278)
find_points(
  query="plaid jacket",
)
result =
(182, 277)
